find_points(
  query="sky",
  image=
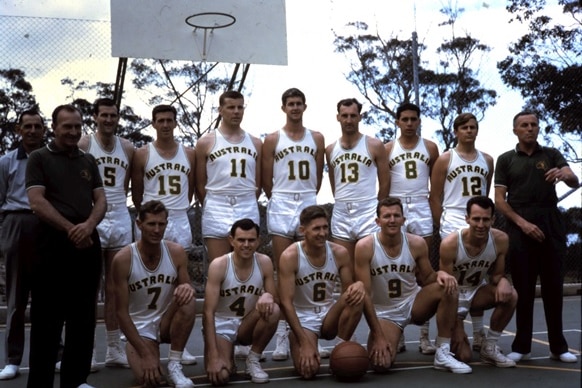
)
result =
(317, 70)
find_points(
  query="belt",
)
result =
(413, 198)
(113, 206)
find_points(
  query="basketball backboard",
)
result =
(233, 31)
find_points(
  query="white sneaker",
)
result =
(281, 352)
(445, 360)
(517, 357)
(401, 344)
(85, 385)
(116, 357)
(425, 346)
(241, 352)
(254, 370)
(58, 367)
(187, 358)
(323, 353)
(94, 364)
(9, 372)
(176, 376)
(564, 357)
(491, 354)
(478, 340)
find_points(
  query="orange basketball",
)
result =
(349, 360)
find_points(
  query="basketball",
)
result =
(349, 361)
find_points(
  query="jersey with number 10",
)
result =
(112, 167)
(465, 179)
(231, 167)
(294, 167)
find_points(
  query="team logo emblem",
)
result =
(541, 165)
(85, 174)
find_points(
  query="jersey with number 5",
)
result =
(113, 169)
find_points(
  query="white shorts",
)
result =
(399, 314)
(178, 229)
(418, 215)
(115, 229)
(312, 318)
(283, 212)
(351, 221)
(227, 328)
(466, 296)
(221, 211)
(451, 221)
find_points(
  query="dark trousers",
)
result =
(530, 259)
(18, 238)
(64, 292)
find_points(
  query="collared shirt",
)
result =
(12, 181)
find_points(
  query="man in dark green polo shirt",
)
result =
(525, 194)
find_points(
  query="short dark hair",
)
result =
(349, 102)
(244, 224)
(163, 108)
(230, 94)
(462, 119)
(102, 102)
(293, 92)
(524, 113)
(30, 112)
(407, 106)
(389, 201)
(152, 207)
(311, 213)
(481, 201)
(66, 108)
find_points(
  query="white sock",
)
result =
(477, 323)
(175, 355)
(256, 356)
(442, 340)
(113, 337)
(281, 327)
(424, 328)
(493, 335)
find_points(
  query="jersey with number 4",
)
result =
(112, 167)
(231, 167)
(393, 278)
(294, 167)
(314, 285)
(471, 271)
(409, 170)
(238, 297)
(355, 172)
(166, 180)
(465, 179)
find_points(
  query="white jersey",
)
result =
(113, 167)
(294, 167)
(409, 170)
(471, 271)
(393, 278)
(150, 291)
(238, 297)
(355, 172)
(166, 180)
(231, 168)
(465, 179)
(314, 286)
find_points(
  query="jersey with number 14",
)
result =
(231, 167)
(294, 167)
(112, 167)
(166, 180)
(471, 271)
(465, 179)
(409, 170)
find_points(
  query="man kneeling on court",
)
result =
(308, 271)
(155, 300)
(239, 306)
(392, 263)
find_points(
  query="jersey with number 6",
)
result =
(471, 271)
(314, 285)
(166, 180)
(294, 167)
(112, 167)
(238, 297)
(465, 179)
(393, 278)
(409, 170)
(231, 167)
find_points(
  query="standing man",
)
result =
(239, 306)
(359, 177)
(18, 237)
(525, 194)
(65, 191)
(470, 254)
(292, 167)
(411, 159)
(403, 288)
(228, 175)
(113, 155)
(308, 273)
(457, 175)
(155, 299)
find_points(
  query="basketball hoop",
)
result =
(209, 21)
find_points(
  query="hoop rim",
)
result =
(206, 27)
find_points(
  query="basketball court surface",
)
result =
(411, 368)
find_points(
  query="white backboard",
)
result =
(158, 29)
